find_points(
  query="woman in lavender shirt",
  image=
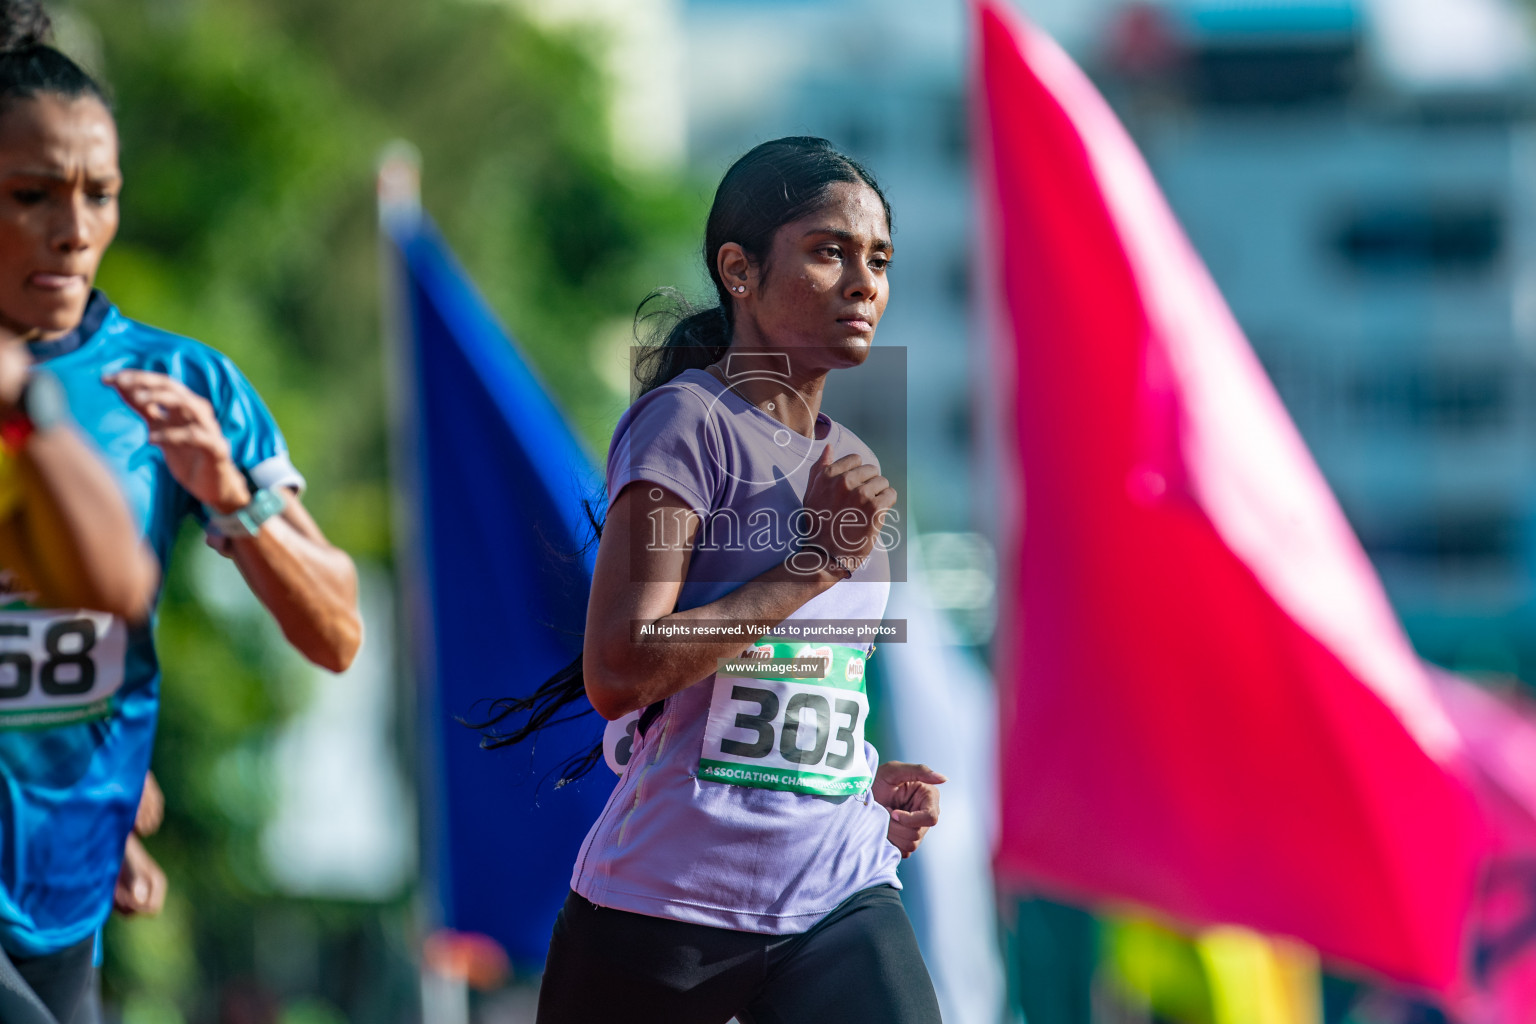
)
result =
(746, 862)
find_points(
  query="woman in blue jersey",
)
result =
(745, 865)
(187, 435)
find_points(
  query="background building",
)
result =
(1359, 179)
(1358, 175)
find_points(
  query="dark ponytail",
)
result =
(29, 66)
(772, 185)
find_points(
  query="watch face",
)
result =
(246, 522)
(264, 505)
(43, 400)
(270, 505)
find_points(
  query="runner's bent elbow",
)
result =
(607, 678)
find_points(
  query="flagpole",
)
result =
(444, 997)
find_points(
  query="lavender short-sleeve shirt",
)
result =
(669, 844)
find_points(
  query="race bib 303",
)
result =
(789, 716)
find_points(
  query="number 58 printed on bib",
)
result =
(58, 667)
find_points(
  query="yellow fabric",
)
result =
(1221, 976)
(1155, 970)
(1255, 980)
(10, 485)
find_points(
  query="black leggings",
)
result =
(858, 964)
(45, 989)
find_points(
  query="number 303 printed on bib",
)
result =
(774, 728)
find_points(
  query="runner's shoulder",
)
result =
(680, 400)
(676, 409)
(201, 367)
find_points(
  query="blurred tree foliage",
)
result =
(249, 134)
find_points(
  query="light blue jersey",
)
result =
(79, 691)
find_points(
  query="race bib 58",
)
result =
(58, 667)
(789, 716)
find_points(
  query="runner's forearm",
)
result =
(82, 547)
(308, 585)
(633, 673)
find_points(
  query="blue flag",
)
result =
(495, 553)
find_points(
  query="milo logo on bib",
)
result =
(58, 667)
(789, 716)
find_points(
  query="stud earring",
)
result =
(740, 289)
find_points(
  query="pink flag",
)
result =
(1499, 732)
(1208, 706)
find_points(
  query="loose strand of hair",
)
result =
(560, 699)
(675, 335)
